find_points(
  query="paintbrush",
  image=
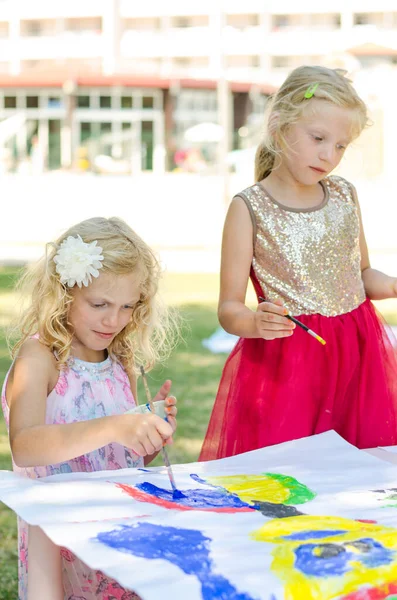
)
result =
(309, 331)
(175, 492)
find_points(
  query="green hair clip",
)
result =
(310, 90)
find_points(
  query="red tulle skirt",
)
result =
(284, 389)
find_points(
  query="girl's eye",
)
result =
(341, 147)
(98, 305)
(317, 138)
(128, 307)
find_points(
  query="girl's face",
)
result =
(100, 311)
(317, 142)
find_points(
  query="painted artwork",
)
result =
(313, 519)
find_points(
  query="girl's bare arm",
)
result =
(35, 443)
(237, 253)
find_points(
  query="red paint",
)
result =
(378, 593)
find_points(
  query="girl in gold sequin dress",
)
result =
(298, 234)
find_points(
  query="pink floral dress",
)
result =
(83, 391)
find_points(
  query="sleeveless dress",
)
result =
(83, 391)
(272, 391)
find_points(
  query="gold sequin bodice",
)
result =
(310, 258)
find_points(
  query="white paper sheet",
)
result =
(309, 519)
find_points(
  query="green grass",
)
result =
(195, 373)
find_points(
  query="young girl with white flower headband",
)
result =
(93, 318)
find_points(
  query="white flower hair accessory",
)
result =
(78, 262)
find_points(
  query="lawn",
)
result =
(195, 373)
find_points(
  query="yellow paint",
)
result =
(299, 586)
(253, 488)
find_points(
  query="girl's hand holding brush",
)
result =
(270, 321)
(295, 321)
(145, 434)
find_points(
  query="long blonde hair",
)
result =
(289, 103)
(153, 329)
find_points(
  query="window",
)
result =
(243, 62)
(142, 24)
(33, 28)
(181, 22)
(147, 102)
(10, 101)
(280, 21)
(54, 102)
(32, 102)
(85, 131)
(3, 30)
(182, 61)
(83, 101)
(126, 102)
(242, 21)
(280, 62)
(83, 25)
(362, 19)
(105, 101)
(105, 127)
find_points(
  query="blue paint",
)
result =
(186, 548)
(199, 479)
(207, 498)
(320, 566)
(310, 535)
(145, 470)
(376, 554)
(332, 559)
(176, 495)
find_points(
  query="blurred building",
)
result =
(117, 83)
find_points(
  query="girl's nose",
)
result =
(328, 153)
(111, 319)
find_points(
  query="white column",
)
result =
(346, 19)
(111, 33)
(43, 141)
(15, 34)
(136, 152)
(166, 61)
(265, 21)
(159, 154)
(218, 21)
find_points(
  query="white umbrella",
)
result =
(204, 132)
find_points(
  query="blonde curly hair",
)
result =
(151, 333)
(290, 102)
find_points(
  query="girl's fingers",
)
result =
(156, 441)
(283, 325)
(139, 449)
(164, 428)
(270, 307)
(172, 422)
(170, 401)
(163, 391)
(272, 335)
